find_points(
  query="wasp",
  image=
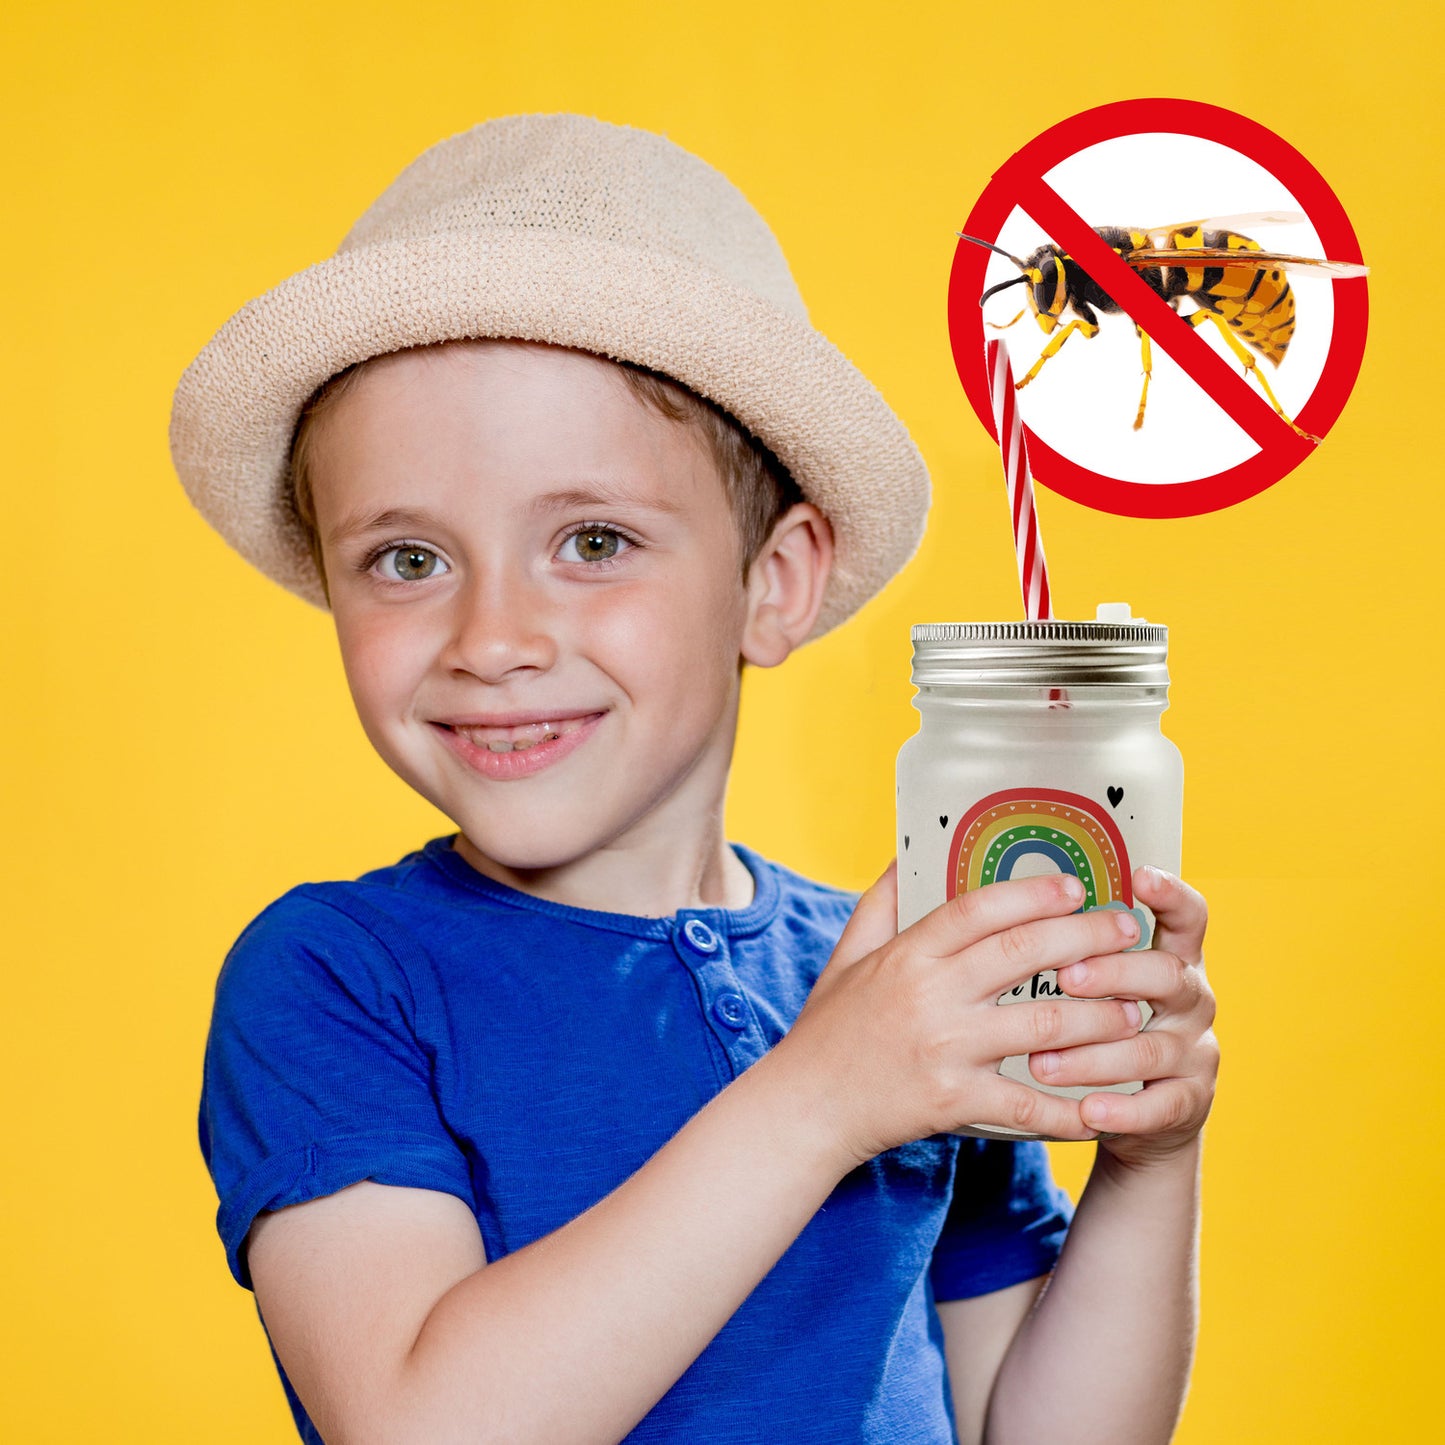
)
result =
(1232, 280)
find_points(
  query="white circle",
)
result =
(1083, 401)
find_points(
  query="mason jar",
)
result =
(1038, 751)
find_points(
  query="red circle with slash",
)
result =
(1020, 182)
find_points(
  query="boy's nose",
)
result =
(503, 625)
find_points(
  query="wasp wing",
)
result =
(1254, 260)
(1160, 235)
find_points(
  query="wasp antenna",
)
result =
(989, 245)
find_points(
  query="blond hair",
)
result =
(758, 486)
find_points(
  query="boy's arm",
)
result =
(976, 1335)
(1105, 1355)
(392, 1329)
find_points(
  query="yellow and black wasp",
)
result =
(1231, 279)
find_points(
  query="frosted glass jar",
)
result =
(1039, 751)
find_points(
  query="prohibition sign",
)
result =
(1020, 182)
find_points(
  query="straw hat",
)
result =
(567, 230)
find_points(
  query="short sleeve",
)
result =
(1006, 1221)
(314, 1075)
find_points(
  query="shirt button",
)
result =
(699, 936)
(729, 1008)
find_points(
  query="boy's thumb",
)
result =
(874, 921)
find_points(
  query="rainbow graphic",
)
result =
(1072, 832)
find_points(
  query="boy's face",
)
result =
(537, 587)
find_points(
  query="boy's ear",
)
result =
(785, 585)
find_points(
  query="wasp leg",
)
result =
(1005, 326)
(1146, 356)
(1198, 318)
(1090, 330)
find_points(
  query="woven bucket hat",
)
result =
(566, 230)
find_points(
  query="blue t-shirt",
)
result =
(425, 1026)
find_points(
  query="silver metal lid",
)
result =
(1047, 654)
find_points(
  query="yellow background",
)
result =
(180, 748)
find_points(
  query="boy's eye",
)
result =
(410, 563)
(593, 544)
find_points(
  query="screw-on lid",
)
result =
(1043, 654)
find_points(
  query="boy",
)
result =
(561, 1130)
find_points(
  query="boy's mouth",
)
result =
(509, 748)
(519, 739)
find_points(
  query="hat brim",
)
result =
(237, 405)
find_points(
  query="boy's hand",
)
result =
(1176, 1055)
(902, 1035)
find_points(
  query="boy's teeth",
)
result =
(519, 739)
(520, 745)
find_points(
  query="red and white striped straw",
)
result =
(1033, 570)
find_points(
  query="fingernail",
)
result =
(1046, 1064)
(1131, 1012)
(1074, 975)
(1095, 1112)
(1128, 925)
(1152, 876)
(1073, 890)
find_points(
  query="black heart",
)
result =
(1116, 796)
(943, 820)
(905, 842)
